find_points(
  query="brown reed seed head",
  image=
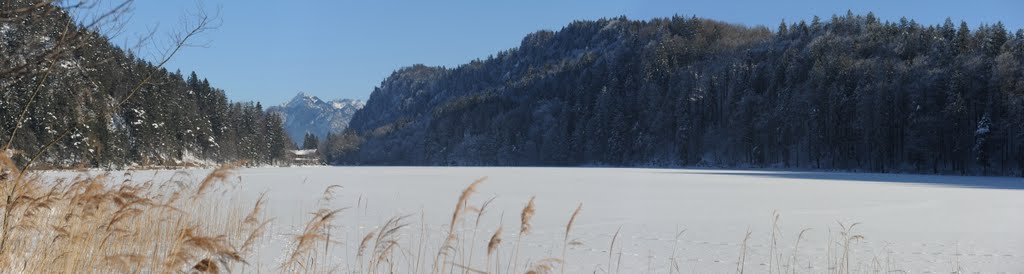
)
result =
(492, 245)
(572, 219)
(466, 193)
(525, 217)
(364, 243)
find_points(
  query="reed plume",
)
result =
(568, 227)
(524, 228)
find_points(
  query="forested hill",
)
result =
(71, 85)
(851, 92)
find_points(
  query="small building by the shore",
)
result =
(304, 157)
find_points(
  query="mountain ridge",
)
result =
(851, 93)
(307, 113)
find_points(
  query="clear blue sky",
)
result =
(268, 51)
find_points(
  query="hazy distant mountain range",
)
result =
(306, 113)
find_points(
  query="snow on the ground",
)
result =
(914, 223)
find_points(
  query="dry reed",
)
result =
(742, 261)
(568, 227)
(524, 228)
(91, 224)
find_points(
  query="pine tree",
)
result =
(310, 141)
(963, 38)
(981, 142)
(997, 36)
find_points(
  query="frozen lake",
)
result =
(915, 223)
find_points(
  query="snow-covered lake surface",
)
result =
(914, 223)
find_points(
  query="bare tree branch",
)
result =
(35, 92)
(111, 20)
(203, 22)
(111, 17)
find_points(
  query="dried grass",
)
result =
(94, 225)
(524, 228)
(91, 224)
(568, 228)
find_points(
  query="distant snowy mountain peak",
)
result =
(347, 103)
(303, 99)
(307, 113)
